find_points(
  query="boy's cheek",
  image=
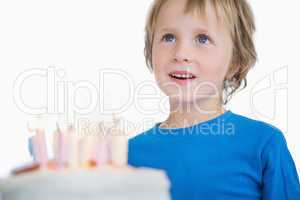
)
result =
(162, 79)
(161, 53)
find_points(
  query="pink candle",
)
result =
(101, 152)
(62, 149)
(40, 147)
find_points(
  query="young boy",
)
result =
(200, 52)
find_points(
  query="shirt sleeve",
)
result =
(280, 178)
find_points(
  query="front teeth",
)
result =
(182, 75)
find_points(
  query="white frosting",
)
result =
(104, 183)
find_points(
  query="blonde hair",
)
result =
(238, 17)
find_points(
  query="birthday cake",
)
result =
(83, 167)
(102, 183)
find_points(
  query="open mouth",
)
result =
(182, 75)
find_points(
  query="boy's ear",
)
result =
(231, 71)
(234, 68)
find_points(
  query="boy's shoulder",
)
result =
(244, 126)
(250, 122)
(259, 128)
(143, 136)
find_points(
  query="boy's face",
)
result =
(200, 45)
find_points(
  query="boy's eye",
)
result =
(203, 39)
(168, 37)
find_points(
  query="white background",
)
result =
(82, 37)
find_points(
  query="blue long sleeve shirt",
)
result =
(230, 157)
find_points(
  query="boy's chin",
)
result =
(183, 100)
(192, 100)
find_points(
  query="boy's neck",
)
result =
(191, 114)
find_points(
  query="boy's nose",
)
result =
(181, 60)
(182, 54)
